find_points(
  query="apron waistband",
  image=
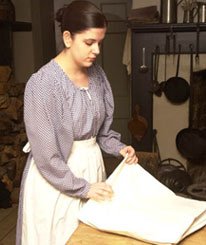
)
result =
(87, 142)
(76, 143)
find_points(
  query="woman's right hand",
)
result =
(100, 191)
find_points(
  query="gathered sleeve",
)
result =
(45, 117)
(108, 139)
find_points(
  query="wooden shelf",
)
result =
(6, 29)
(164, 27)
(17, 26)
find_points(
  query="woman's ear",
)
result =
(67, 39)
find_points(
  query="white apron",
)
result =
(49, 216)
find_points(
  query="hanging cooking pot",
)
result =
(191, 143)
(177, 89)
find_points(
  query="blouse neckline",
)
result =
(70, 81)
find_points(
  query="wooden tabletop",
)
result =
(86, 235)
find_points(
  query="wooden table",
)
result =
(86, 235)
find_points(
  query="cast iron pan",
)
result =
(177, 89)
(191, 143)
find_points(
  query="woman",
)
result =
(68, 112)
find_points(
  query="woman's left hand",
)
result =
(131, 158)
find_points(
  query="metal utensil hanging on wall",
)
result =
(191, 83)
(170, 40)
(138, 125)
(176, 88)
(155, 83)
(143, 68)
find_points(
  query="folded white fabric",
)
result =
(144, 209)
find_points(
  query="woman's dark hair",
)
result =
(79, 16)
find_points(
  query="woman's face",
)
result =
(85, 46)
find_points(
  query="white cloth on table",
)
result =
(144, 208)
(49, 216)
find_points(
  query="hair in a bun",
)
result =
(60, 13)
(79, 16)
